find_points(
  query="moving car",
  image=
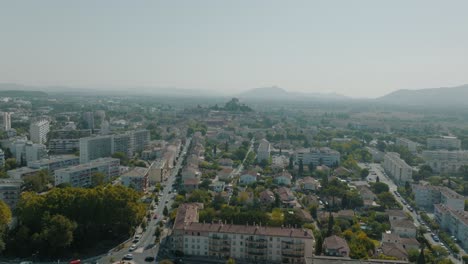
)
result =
(128, 257)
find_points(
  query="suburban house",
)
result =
(335, 246)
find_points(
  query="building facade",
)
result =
(410, 145)
(397, 168)
(38, 131)
(263, 150)
(444, 142)
(92, 148)
(136, 178)
(81, 175)
(253, 243)
(54, 163)
(6, 125)
(445, 161)
(453, 221)
(318, 156)
(10, 191)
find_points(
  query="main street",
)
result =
(379, 172)
(146, 246)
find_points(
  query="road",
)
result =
(239, 168)
(379, 171)
(146, 246)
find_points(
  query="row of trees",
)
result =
(70, 220)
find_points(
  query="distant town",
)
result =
(164, 179)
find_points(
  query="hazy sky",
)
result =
(352, 47)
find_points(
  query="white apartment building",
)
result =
(317, 156)
(263, 150)
(92, 148)
(397, 168)
(252, 242)
(453, 221)
(81, 175)
(105, 145)
(54, 163)
(445, 161)
(444, 142)
(38, 131)
(140, 139)
(10, 191)
(122, 143)
(6, 125)
(410, 145)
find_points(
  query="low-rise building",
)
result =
(410, 145)
(444, 142)
(317, 156)
(445, 161)
(308, 184)
(20, 173)
(248, 178)
(403, 228)
(335, 246)
(10, 191)
(81, 175)
(253, 243)
(283, 178)
(54, 163)
(136, 178)
(191, 184)
(159, 171)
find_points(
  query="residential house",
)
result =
(403, 228)
(335, 246)
(308, 184)
(191, 184)
(248, 178)
(283, 178)
(267, 197)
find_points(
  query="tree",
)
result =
(230, 261)
(5, 219)
(318, 245)
(37, 182)
(377, 179)
(157, 232)
(214, 150)
(10, 164)
(122, 157)
(98, 178)
(301, 168)
(165, 211)
(58, 232)
(421, 258)
(380, 187)
(291, 163)
(364, 173)
(331, 223)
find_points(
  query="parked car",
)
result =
(133, 247)
(149, 259)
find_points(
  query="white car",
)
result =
(133, 247)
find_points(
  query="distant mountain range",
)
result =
(277, 93)
(450, 96)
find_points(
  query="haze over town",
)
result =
(223, 132)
